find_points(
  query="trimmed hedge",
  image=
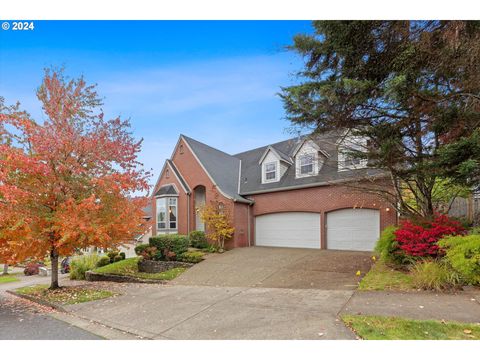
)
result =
(103, 261)
(139, 249)
(191, 257)
(177, 244)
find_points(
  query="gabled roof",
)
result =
(222, 168)
(302, 142)
(251, 176)
(166, 190)
(179, 177)
(280, 155)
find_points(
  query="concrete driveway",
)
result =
(254, 293)
(280, 268)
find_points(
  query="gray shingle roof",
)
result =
(224, 168)
(180, 178)
(166, 190)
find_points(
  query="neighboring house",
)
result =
(129, 250)
(293, 193)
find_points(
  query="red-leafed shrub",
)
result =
(420, 239)
(32, 269)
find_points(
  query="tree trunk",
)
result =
(54, 259)
(5, 269)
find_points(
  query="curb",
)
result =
(38, 301)
(78, 318)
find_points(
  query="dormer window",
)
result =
(307, 162)
(270, 171)
(309, 159)
(349, 152)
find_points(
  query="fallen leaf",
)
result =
(467, 331)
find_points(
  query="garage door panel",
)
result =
(353, 229)
(292, 229)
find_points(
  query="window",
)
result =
(307, 164)
(181, 148)
(270, 171)
(352, 161)
(172, 211)
(167, 213)
(167, 173)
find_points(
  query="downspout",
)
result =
(248, 226)
(188, 215)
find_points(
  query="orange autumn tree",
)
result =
(65, 182)
(218, 222)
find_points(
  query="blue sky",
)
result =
(215, 81)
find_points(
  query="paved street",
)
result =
(23, 320)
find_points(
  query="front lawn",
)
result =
(129, 267)
(391, 328)
(65, 295)
(382, 277)
(8, 278)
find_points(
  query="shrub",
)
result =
(435, 275)
(103, 261)
(463, 254)
(118, 258)
(123, 255)
(388, 249)
(474, 230)
(111, 255)
(198, 239)
(191, 257)
(211, 249)
(139, 249)
(81, 264)
(174, 243)
(31, 269)
(150, 253)
(420, 240)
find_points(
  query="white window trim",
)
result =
(167, 221)
(356, 145)
(299, 165)
(264, 172)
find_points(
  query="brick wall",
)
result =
(194, 175)
(323, 200)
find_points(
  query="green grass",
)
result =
(391, 328)
(65, 295)
(8, 278)
(129, 267)
(382, 277)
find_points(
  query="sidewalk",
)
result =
(462, 306)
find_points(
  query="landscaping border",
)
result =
(93, 276)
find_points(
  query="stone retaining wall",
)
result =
(154, 267)
(92, 276)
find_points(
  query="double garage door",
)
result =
(346, 229)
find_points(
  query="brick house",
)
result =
(295, 193)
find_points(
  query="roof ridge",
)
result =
(209, 146)
(266, 146)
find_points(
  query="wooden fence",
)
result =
(468, 208)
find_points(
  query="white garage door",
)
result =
(353, 229)
(292, 229)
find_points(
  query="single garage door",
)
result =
(353, 229)
(291, 229)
